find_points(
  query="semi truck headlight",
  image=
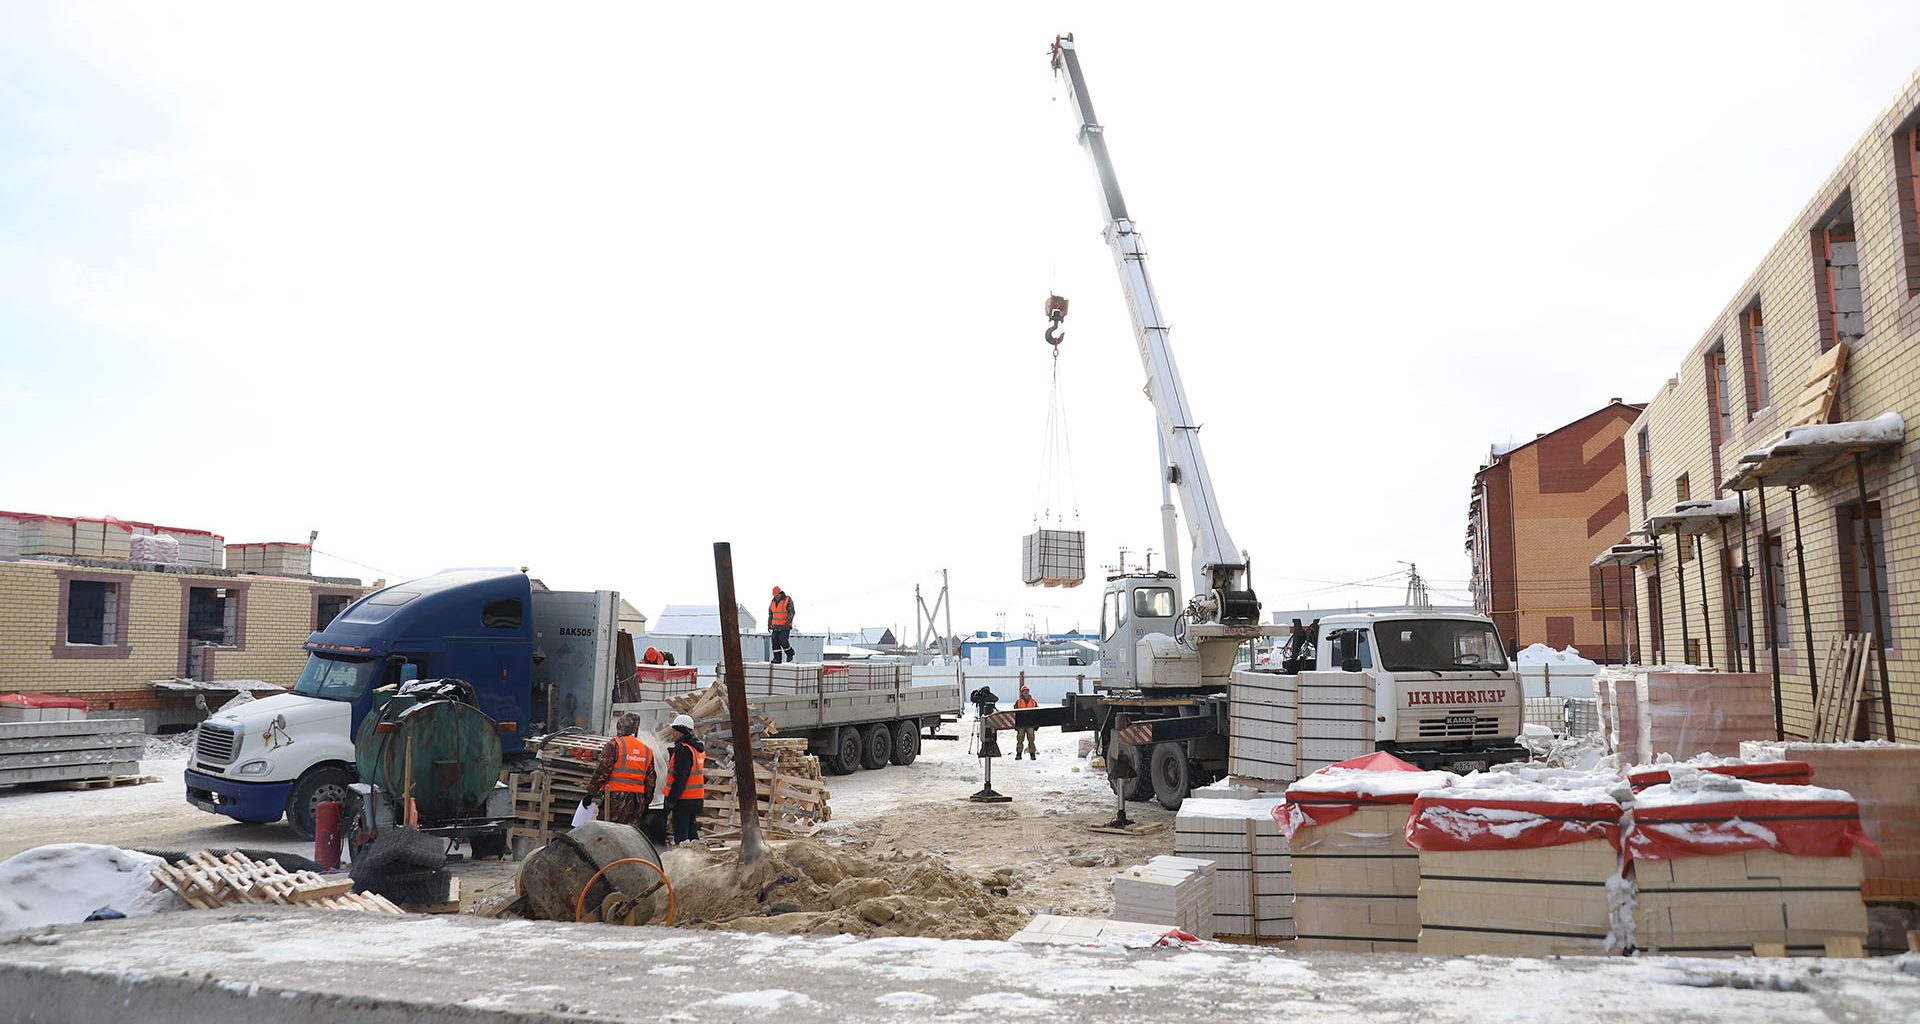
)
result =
(258, 766)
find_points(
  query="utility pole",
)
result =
(751, 844)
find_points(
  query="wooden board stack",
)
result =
(545, 798)
(1520, 864)
(1336, 718)
(53, 751)
(1265, 733)
(1884, 780)
(791, 796)
(1252, 878)
(1175, 891)
(1709, 883)
(206, 882)
(1355, 879)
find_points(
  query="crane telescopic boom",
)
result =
(1222, 590)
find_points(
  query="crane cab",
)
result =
(1134, 606)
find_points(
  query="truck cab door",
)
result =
(1116, 640)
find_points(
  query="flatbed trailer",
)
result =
(848, 729)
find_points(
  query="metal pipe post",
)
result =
(1873, 590)
(1806, 607)
(751, 844)
(1746, 582)
(1706, 606)
(1680, 574)
(1605, 641)
(1770, 591)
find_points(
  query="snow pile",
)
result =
(1541, 654)
(64, 882)
(1886, 428)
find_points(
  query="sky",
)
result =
(589, 289)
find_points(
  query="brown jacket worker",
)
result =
(625, 769)
(686, 781)
(780, 624)
(1023, 738)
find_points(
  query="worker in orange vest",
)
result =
(1025, 736)
(625, 771)
(780, 623)
(686, 781)
(655, 656)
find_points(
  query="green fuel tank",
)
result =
(455, 750)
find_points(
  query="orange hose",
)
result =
(580, 905)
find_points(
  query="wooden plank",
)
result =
(1770, 949)
(1845, 946)
(310, 893)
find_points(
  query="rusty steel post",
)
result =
(1706, 606)
(1746, 584)
(1770, 592)
(1806, 606)
(1873, 590)
(751, 843)
(1680, 575)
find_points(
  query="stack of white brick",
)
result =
(1336, 718)
(789, 677)
(1264, 740)
(866, 675)
(1175, 891)
(9, 537)
(1252, 879)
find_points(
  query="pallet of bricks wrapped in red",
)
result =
(1884, 779)
(1355, 879)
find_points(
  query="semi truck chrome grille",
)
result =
(216, 745)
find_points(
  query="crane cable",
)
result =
(1056, 450)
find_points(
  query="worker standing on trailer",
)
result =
(625, 769)
(686, 781)
(1023, 738)
(780, 623)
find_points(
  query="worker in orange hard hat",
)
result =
(655, 656)
(1023, 738)
(780, 624)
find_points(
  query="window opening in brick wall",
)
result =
(328, 607)
(1773, 584)
(93, 613)
(210, 615)
(1753, 350)
(1646, 472)
(1682, 490)
(1719, 413)
(1837, 269)
(1735, 595)
(1907, 172)
(1857, 606)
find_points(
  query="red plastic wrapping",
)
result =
(1442, 823)
(1779, 773)
(1307, 807)
(1801, 828)
(41, 700)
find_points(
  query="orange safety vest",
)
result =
(653, 657)
(696, 776)
(634, 769)
(1025, 702)
(780, 612)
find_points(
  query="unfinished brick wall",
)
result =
(1874, 181)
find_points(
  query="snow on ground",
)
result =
(64, 882)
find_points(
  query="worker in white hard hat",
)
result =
(686, 780)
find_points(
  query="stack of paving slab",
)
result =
(1725, 866)
(72, 750)
(271, 557)
(1176, 891)
(1647, 713)
(1057, 930)
(1520, 862)
(881, 676)
(1355, 879)
(766, 679)
(1336, 718)
(1252, 883)
(1264, 740)
(1884, 779)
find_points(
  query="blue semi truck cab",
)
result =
(537, 658)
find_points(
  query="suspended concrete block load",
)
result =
(1054, 558)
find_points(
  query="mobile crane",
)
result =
(1162, 710)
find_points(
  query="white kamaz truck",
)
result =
(1446, 695)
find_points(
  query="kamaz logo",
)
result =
(576, 630)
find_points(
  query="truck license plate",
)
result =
(1463, 767)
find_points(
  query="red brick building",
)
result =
(1539, 512)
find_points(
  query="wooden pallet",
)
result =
(106, 783)
(1838, 705)
(206, 882)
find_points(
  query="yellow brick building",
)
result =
(106, 633)
(1845, 273)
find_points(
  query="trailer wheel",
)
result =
(879, 747)
(1170, 775)
(847, 746)
(906, 741)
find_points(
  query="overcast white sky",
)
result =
(587, 289)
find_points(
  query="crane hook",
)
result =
(1057, 313)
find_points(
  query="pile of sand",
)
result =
(803, 887)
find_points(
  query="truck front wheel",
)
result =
(1170, 775)
(320, 784)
